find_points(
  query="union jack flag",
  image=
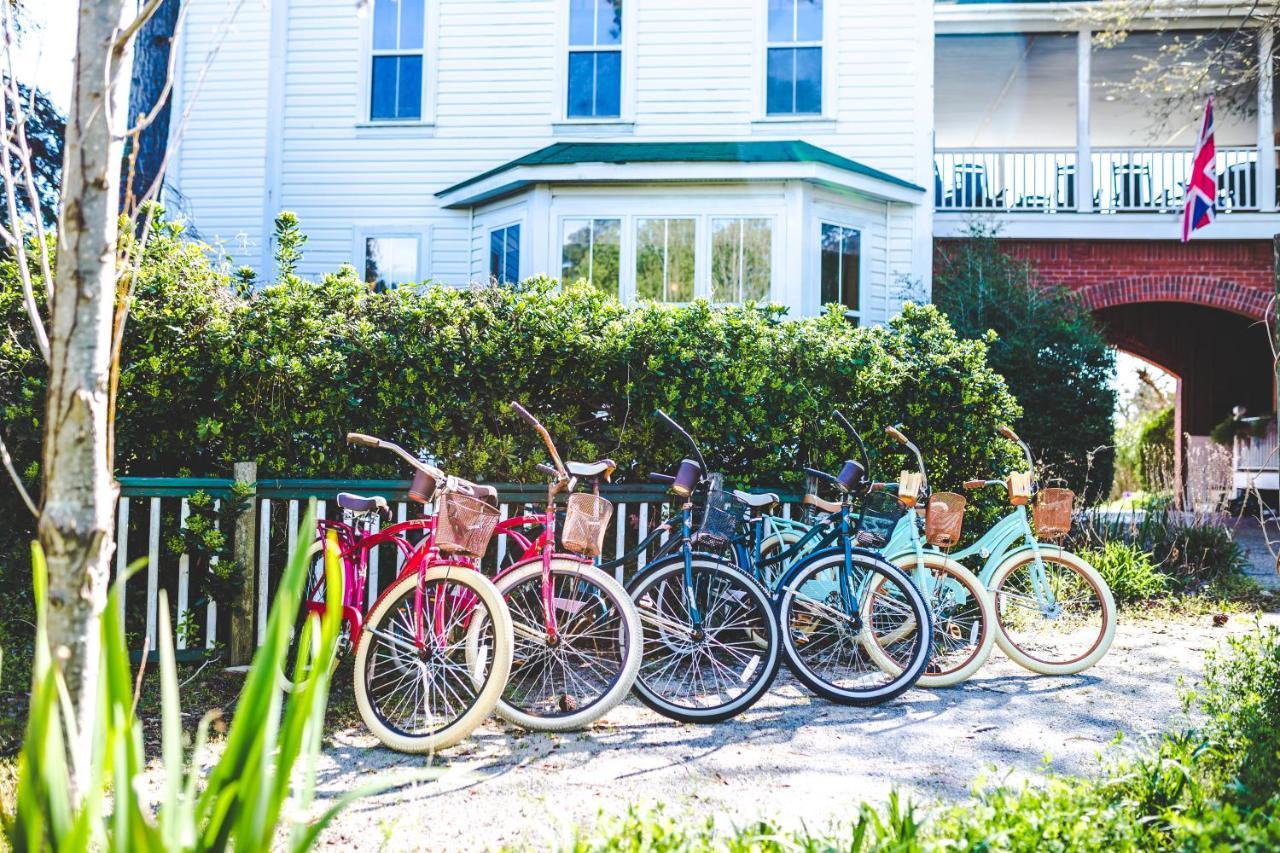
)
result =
(1202, 189)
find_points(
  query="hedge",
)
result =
(212, 376)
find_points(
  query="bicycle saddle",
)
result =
(760, 501)
(590, 469)
(357, 503)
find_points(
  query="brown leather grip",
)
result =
(1008, 433)
(362, 439)
(897, 436)
(974, 484)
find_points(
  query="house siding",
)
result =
(695, 72)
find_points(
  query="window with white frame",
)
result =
(793, 58)
(504, 254)
(595, 59)
(741, 259)
(840, 269)
(390, 261)
(398, 51)
(665, 253)
(592, 252)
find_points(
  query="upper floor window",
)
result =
(595, 59)
(504, 254)
(794, 58)
(398, 52)
(390, 261)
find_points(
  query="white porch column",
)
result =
(1266, 121)
(1084, 150)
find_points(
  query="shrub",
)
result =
(1047, 346)
(1155, 450)
(1129, 571)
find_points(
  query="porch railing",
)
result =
(153, 510)
(1124, 180)
(1255, 460)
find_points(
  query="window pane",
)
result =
(575, 256)
(782, 20)
(608, 83)
(609, 22)
(808, 80)
(650, 254)
(809, 20)
(757, 263)
(411, 25)
(779, 97)
(581, 83)
(849, 269)
(726, 259)
(680, 250)
(382, 95)
(832, 238)
(511, 271)
(410, 93)
(496, 247)
(606, 255)
(389, 261)
(385, 13)
(582, 21)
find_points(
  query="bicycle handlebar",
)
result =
(666, 479)
(546, 436)
(897, 436)
(823, 475)
(1008, 433)
(547, 469)
(363, 440)
(670, 422)
(862, 445)
(982, 484)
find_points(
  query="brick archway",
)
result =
(1247, 301)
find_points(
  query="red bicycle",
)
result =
(578, 637)
(434, 651)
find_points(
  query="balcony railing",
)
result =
(1124, 180)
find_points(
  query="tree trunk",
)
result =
(150, 75)
(79, 490)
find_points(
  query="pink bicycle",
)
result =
(434, 651)
(578, 637)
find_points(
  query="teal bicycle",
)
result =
(1054, 612)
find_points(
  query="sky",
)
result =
(47, 46)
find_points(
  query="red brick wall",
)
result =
(1235, 275)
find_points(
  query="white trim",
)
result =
(612, 173)
(561, 121)
(364, 232)
(273, 191)
(1101, 226)
(1266, 168)
(951, 18)
(760, 67)
(1084, 141)
(430, 71)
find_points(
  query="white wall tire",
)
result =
(1020, 651)
(488, 691)
(631, 636)
(958, 574)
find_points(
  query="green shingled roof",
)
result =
(754, 151)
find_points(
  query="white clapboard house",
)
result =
(661, 149)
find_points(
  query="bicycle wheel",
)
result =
(1056, 620)
(423, 697)
(825, 637)
(314, 592)
(591, 666)
(711, 673)
(964, 620)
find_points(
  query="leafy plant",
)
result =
(239, 803)
(1129, 571)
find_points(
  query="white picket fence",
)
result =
(153, 509)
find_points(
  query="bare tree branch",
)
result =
(17, 481)
(132, 30)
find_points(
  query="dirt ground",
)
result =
(792, 757)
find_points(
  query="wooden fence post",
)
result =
(243, 550)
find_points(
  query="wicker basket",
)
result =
(1019, 485)
(944, 519)
(720, 518)
(909, 485)
(881, 512)
(585, 520)
(1053, 512)
(464, 524)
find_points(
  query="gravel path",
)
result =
(792, 757)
